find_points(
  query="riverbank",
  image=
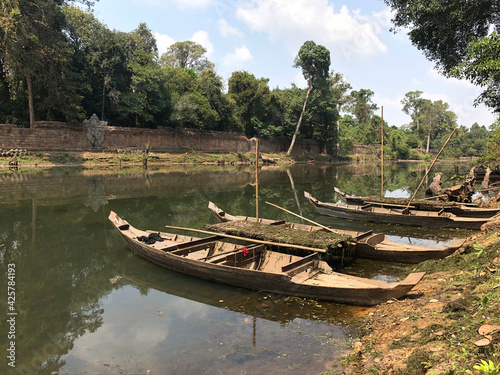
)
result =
(446, 325)
(125, 158)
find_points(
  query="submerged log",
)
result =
(434, 188)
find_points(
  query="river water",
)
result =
(85, 304)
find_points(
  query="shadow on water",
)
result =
(72, 319)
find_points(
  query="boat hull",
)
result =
(368, 245)
(328, 286)
(392, 216)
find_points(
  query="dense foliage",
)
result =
(459, 36)
(58, 62)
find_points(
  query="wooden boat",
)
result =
(382, 215)
(368, 245)
(255, 267)
(459, 209)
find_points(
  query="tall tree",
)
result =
(34, 50)
(411, 103)
(147, 99)
(251, 96)
(314, 60)
(186, 54)
(340, 88)
(362, 106)
(436, 119)
(210, 85)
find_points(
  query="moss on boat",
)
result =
(340, 249)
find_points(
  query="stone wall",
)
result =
(57, 136)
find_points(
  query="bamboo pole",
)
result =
(302, 217)
(406, 210)
(257, 179)
(382, 153)
(291, 246)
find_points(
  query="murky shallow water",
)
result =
(71, 319)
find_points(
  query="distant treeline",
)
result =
(59, 63)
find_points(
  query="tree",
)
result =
(251, 96)
(323, 115)
(188, 55)
(436, 120)
(481, 66)
(444, 29)
(453, 34)
(340, 88)
(314, 60)
(411, 103)
(147, 99)
(210, 85)
(362, 106)
(34, 49)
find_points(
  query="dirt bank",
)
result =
(440, 327)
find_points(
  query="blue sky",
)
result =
(264, 36)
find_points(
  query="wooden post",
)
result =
(257, 179)
(382, 153)
(406, 210)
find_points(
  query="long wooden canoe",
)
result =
(255, 267)
(459, 209)
(368, 245)
(419, 218)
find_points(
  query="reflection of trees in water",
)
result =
(96, 193)
(60, 280)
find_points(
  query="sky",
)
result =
(263, 37)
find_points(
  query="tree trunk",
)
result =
(428, 143)
(300, 121)
(31, 108)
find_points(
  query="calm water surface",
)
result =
(86, 304)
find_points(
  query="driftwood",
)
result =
(486, 180)
(462, 193)
(435, 186)
(267, 159)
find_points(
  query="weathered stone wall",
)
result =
(57, 136)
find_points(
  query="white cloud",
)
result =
(163, 41)
(226, 30)
(201, 37)
(291, 22)
(238, 57)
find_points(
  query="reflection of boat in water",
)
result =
(368, 245)
(275, 308)
(370, 212)
(255, 267)
(459, 209)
